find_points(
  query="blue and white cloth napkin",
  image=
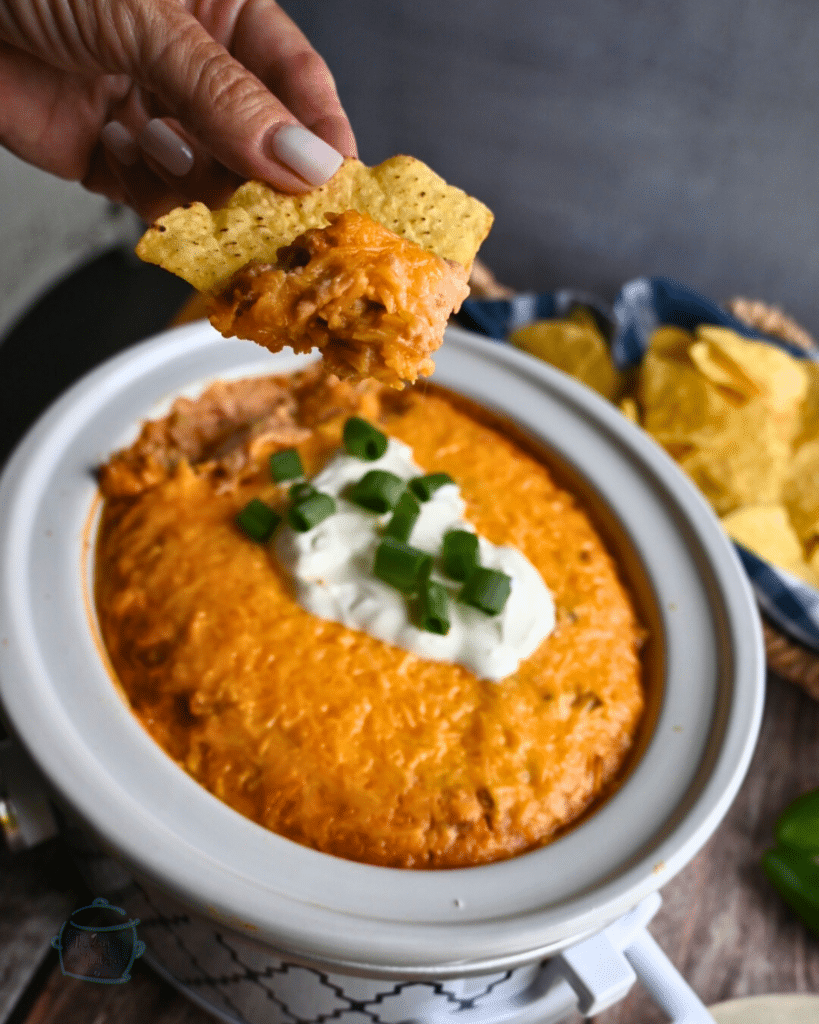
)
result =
(643, 305)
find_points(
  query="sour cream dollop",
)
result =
(331, 566)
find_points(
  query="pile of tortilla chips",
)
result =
(205, 247)
(741, 417)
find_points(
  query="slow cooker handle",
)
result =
(667, 987)
(602, 969)
(26, 818)
(591, 976)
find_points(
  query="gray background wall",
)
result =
(611, 138)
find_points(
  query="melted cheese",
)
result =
(332, 737)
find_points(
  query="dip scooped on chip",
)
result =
(367, 268)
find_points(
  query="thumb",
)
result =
(222, 105)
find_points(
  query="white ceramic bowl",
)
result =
(707, 657)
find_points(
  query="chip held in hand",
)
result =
(367, 267)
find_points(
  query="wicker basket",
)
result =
(787, 658)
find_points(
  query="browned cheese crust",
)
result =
(375, 304)
(324, 734)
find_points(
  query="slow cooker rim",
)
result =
(673, 861)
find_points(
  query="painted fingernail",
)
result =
(162, 143)
(305, 153)
(120, 142)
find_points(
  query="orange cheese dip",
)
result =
(326, 735)
(374, 303)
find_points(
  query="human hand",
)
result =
(157, 102)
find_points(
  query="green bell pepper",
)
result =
(793, 865)
(798, 826)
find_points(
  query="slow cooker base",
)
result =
(242, 981)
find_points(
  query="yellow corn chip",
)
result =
(679, 403)
(729, 378)
(629, 408)
(755, 368)
(206, 247)
(809, 418)
(726, 408)
(801, 492)
(732, 471)
(671, 343)
(575, 346)
(767, 532)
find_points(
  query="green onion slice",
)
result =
(286, 465)
(362, 440)
(310, 511)
(460, 554)
(258, 520)
(423, 487)
(433, 608)
(403, 518)
(377, 490)
(487, 590)
(403, 567)
(298, 492)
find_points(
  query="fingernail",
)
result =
(305, 153)
(118, 140)
(166, 147)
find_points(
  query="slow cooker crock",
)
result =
(706, 668)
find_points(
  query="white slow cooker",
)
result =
(257, 928)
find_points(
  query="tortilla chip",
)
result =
(727, 377)
(753, 368)
(809, 417)
(801, 492)
(671, 343)
(726, 408)
(574, 345)
(680, 404)
(630, 409)
(739, 468)
(767, 532)
(207, 247)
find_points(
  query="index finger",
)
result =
(273, 47)
(220, 103)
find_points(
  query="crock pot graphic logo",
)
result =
(96, 945)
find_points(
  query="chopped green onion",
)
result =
(423, 487)
(403, 518)
(310, 511)
(298, 492)
(460, 554)
(433, 608)
(403, 567)
(362, 440)
(258, 520)
(377, 490)
(487, 590)
(286, 465)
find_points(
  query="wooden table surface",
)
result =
(721, 923)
